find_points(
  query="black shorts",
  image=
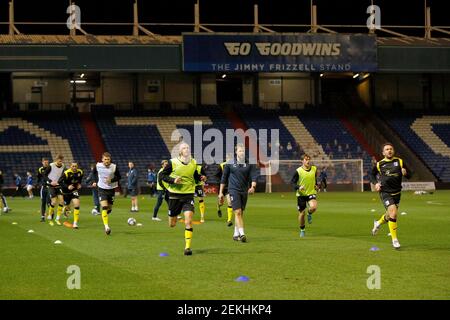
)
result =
(199, 192)
(68, 197)
(166, 196)
(106, 195)
(390, 199)
(180, 203)
(133, 192)
(238, 200)
(54, 191)
(303, 200)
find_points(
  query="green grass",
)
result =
(330, 263)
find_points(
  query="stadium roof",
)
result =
(139, 22)
(89, 39)
(176, 40)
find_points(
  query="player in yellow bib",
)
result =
(305, 183)
(181, 176)
(161, 191)
(200, 193)
(225, 192)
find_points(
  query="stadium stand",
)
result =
(429, 137)
(25, 140)
(336, 141)
(323, 136)
(145, 138)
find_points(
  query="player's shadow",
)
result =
(426, 248)
(226, 251)
(142, 232)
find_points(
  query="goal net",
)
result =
(342, 175)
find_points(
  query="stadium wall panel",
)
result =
(154, 58)
(168, 58)
(413, 59)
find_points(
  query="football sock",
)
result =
(76, 214)
(236, 232)
(230, 213)
(188, 237)
(382, 220)
(393, 228)
(105, 216)
(59, 211)
(241, 231)
(51, 210)
(201, 205)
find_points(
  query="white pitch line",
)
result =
(436, 203)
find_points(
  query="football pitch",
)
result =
(331, 262)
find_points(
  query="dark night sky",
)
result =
(393, 12)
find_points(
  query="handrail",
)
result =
(219, 24)
(266, 27)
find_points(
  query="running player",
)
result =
(51, 176)
(200, 193)
(225, 192)
(107, 177)
(305, 183)
(161, 191)
(5, 208)
(45, 197)
(70, 183)
(238, 174)
(181, 175)
(390, 171)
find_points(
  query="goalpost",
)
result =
(342, 174)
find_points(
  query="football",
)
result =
(131, 221)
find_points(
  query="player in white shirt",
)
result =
(51, 176)
(106, 177)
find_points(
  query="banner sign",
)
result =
(279, 53)
(418, 186)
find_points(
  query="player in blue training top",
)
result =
(238, 174)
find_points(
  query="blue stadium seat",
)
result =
(325, 129)
(436, 162)
(49, 126)
(143, 144)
